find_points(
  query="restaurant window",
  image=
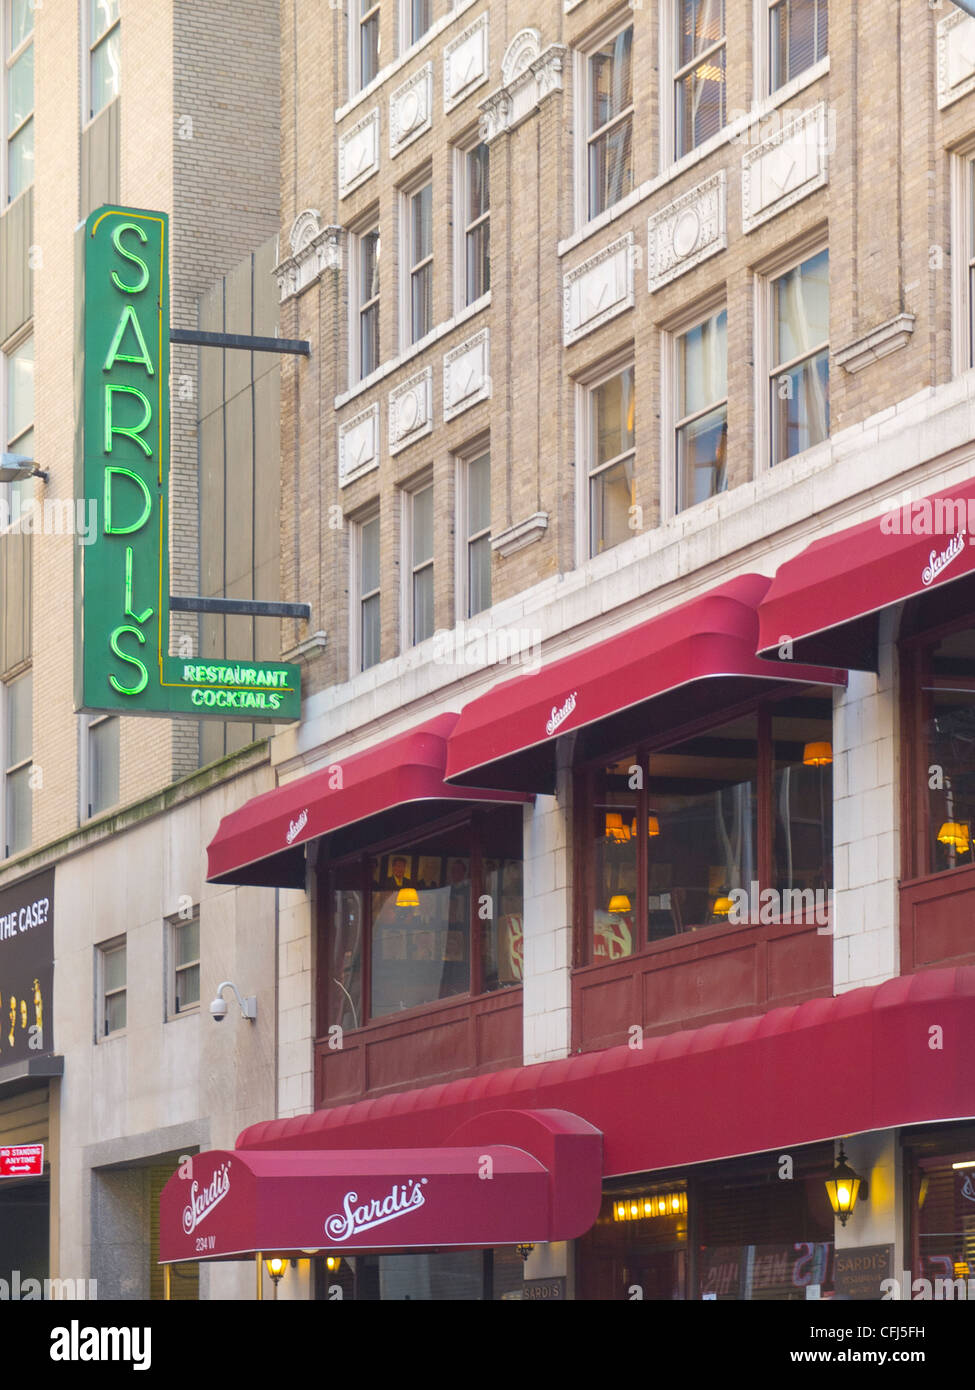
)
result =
(608, 122)
(18, 93)
(609, 410)
(699, 75)
(366, 615)
(940, 1173)
(104, 53)
(798, 37)
(693, 835)
(424, 919)
(799, 354)
(701, 430)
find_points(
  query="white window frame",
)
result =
(8, 57)
(462, 228)
(963, 261)
(407, 38)
(622, 19)
(408, 268)
(102, 950)
(798, 251)
(19, 766)
(670, 71)
(173, 927)
(88, 49)
(408, 570)
(9, 443)
(692, 318)
(356, 596)
(585, 387)
(366, 227)
(763, 50)
(463, 459)
(86, 722)
(356, 21)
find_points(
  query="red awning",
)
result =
(392, 787)
(827, 600)
(821, 1070)
(692, 661)
(519, 1176)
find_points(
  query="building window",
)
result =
(474, 222)
(100, 753)
(609, 122)
(418, 257)
(18, 92)
(112, 1009)
(17, 409)
(104, 49)
(611, 453)
(427, 920)
(365, 327)
(700, 72)
(690, 835)
(798, 37)
(418, 534)
(474, 527)
(366, 589)
(366, 42)
(416, 16)
(184, 954)
(701, 442)
(18, 744)
(799, 379)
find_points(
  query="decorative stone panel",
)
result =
(598, 289)
(411, 411)
(784, 169)
(359, 445)
(956, 56)
(314, 249)
(466, 375)
(528, 76)
(410, 110)
(359, 153)
(687, 231)
(465, 63)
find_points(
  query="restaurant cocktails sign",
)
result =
(122, 660)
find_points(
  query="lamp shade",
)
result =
(817, 754)
(722, 906)
(618, 903)
(407, 897)
(957, 834)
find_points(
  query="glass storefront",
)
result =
(423, 1276)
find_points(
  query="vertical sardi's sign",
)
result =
(27, 968)
(122, 661)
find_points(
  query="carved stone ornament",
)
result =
(410, 110)
(411, 410)
(465, 63)
(785, 168)
(598, 289)
(359, 153)
(314, 249)
(687, 231)
(466, 378)
(956, 56)
(359, 445)
(529, 74)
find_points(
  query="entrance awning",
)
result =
(682, 665)
(387, 789)
(826, 601)
(539, 1180)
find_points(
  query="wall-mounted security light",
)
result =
(14, 468)
(218, 1007)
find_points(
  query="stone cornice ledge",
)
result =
(879, 342)
(315, 643)
(521, 534)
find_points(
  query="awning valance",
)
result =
(389, 788)
(824, 604)
(682, 665)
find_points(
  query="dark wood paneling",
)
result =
(100, 160)
(713, 975)
(16, 282)
(421, 1048)
(937, 921)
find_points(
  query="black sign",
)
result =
(552, 1290)
(27, 968)
(858, 1270)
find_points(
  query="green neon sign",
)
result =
(122, 660)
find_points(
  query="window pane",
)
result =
(478, 261)
(501, 917)
(611, 500)
(800, 407)
(105, 72)
(615, 859)
(478, 494)
(419, 19)
(369, 555)
(20, 388)
(799, 37)
(115, 1012)
(701, 102)
(479, 578)
(369, 267)
(188, 942)
(19, 719)
(610, 78)
(478, 182)
(703, 365)
(423, 604)
(701, 25)
(422, 525)
(188, 987)
(802, 805)
(18, 810)
(613, 407)
(101, 14)
(20, 161)
(421, 937)
(950, 734)
(21, 22)
(422, 302)
(103, 753)
(20, 89)
(370, 632)
(801, 308)
(344, 983)
(610, 167)
(114, 967)
(369, 341)
(702, 450)
(421, 209)
(369, 50)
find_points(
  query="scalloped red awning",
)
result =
(392, 786)
(692, 661)
(826, 601)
